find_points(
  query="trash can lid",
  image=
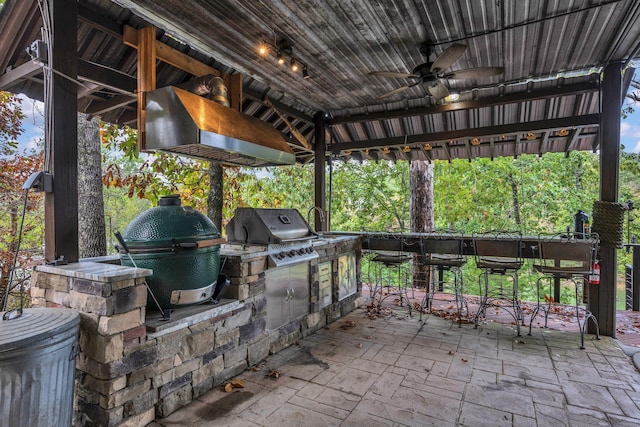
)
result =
(34, 325)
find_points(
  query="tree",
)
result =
(91, 225)
(421, 173)
(10, 122)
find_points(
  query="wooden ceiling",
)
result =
(547, 100)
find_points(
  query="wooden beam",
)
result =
(543, 142)
(320, 186)
(602, 297)
(61, 206)
(235, 91)
(492, 146)
(165, 53)
(457, 106)
(572, 141)
(146, 76)
(106, 77)
(24, 71)
(259, 97)
(96, 108)
(587, 120)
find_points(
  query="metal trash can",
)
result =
(37, 366)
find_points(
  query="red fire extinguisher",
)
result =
(594, 277)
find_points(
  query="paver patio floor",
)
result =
(398, 371)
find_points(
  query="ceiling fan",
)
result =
(433, 74)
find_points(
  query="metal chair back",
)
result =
(498, 248)
(567, 253)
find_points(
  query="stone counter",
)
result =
(134, 367)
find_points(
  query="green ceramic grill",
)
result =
(181, 246)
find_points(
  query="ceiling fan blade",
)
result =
(474, 73)
(391, 74)
(438, 90)
(448, 57)
(393, 92)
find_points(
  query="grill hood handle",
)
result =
(121, 241)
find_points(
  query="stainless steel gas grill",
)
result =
(289, 243)
(285, 233)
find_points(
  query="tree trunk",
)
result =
(516, 201)
(214, 198)
(421, 213)
(91, 228)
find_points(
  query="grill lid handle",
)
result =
(284, 219)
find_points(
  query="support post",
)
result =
(61, 206)
(146, 75)
(320, 162)
(602, 297)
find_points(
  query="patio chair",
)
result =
(443, 253)
(569, 257)
(498, 253)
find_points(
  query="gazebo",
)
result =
(557, 75)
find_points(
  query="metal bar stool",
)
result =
(391, 276)
(499, 254)
(569, 257)
(443, 253)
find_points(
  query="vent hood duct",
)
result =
(184, 123)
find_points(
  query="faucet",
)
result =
(320, 211)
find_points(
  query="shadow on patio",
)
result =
(389, 368)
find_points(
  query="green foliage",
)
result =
(10, 122)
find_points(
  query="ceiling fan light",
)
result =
(452, 97)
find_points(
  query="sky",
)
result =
(34, 128)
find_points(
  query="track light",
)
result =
(263, 49)
(284, 52)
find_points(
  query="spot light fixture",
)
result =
(283, 49)
(563, 132)
(531, 136)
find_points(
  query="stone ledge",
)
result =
(188, 316)
(95, 271)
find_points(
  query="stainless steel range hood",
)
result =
(184, 123)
